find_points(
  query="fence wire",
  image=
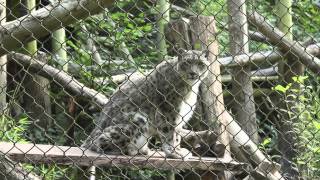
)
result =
(201, 89)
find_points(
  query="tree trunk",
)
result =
(59, 53)
(288, 69)
(3, 65)
(63, 79)
(203, 37)
(36, 101)
(177, 33)
(242, 90)
(9, 169)
(210, 102)
(162, 19)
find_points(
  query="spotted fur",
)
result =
(158, 104)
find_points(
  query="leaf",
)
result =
(316, 124)
(299, 79)
(281, 88)
(266, 141)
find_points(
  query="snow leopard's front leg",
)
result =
(171, 139)
(140, 138)
(171, 145)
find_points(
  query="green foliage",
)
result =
(12, 130)
(132, 173)
(307, 19)
(132, 25)
(306, 113)
(308, 129)
(48, 172)
(218, 9)
(265, 143)
(281, 88)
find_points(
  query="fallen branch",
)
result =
(259, 57)
(256, 36)
(256, 93)
(59, 76)
(227, 78)
(242, 144)
(46, 20)
(183, 10)
(270, 71)
(120, 78)
(287, 46)
(240, 60)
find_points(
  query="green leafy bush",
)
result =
(306, 112)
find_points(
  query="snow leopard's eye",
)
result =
(202, 66)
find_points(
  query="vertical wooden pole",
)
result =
(203, 37)
(211, 104)
(59, 47)
(242, 90)
(288, 68)
(3, 65)
(163, 19)
(36, 100)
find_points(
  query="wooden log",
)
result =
(287, 46)
(239, 60)
(242, 144)
(45, 20)
(203, 37)
(3, 64)
(120, 78)
(177, 32)
(243, 105)
(62, 78)
(50, 154)
(259, 57)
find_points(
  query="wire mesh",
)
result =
(199, 89)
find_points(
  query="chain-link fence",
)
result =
(159, 89)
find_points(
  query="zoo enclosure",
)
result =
(62, 60)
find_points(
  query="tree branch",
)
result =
(183, 10)
(45, 20)
(287, 46)
(258, 57)
(241, 142)
(62, 78)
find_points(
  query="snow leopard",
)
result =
(158, 104)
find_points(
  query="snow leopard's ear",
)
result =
(205, 53)
(180, 53)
